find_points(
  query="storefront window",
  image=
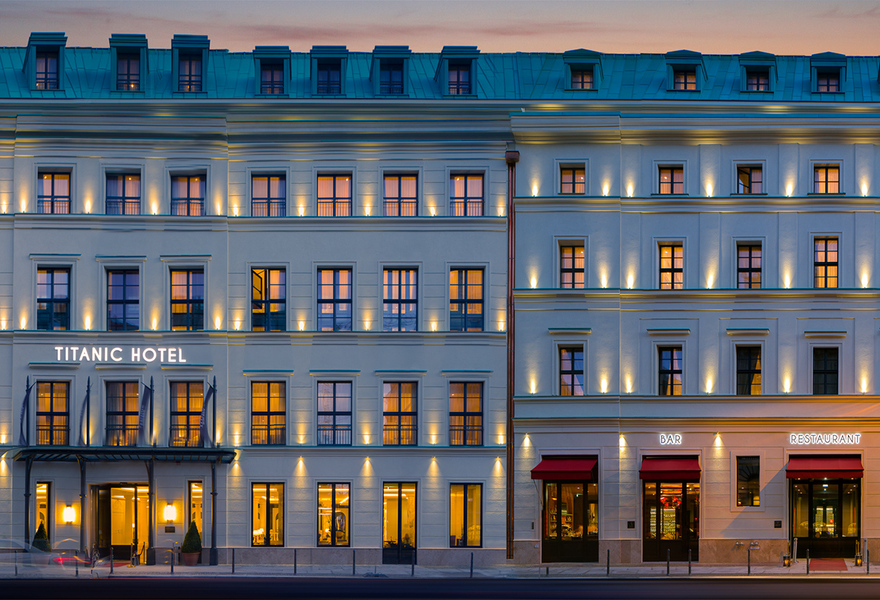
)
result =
(195, 507)
(333, 514)
(43, 513)
(465, 515)
(748, 481)
(268, 514)
(571, 521)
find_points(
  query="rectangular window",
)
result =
(465, 414)
(334, 300)
(268, 413)
(188, 195)
(188, 300)
(122, 413)
(684, 79)
(748, 481)
(748, 266)
(271, 77)
(749, 180)
(465, 515)
(47, 71)
(400, 303)
(758, 80)
(186, 413)
(825, 363)
(401, 196)
(53, 193)
(828, 80)
(671, 180)
(334, 514)
(123, 194)
(334, 413)
(748, 370)
(268, 196)
(53, 299)
(571, 371)
(582, 78)
(391, 77)
(466, 300)
(43, 497)
(334, 195)
(671, 266)
(267, 521)
(128, 72)
(194, 505)
(459, 78)
(53, 413)
(826, 179)
(466, 195)
(573, 180)
(399, 416)
(268, 300)
(189, 72)
(329, 77)
(825, 263)
(670, 370)
(571, 267)
(123, 300)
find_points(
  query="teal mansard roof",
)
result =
(94, 73)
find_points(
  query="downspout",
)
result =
(512, 157)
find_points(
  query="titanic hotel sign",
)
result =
(106, 354)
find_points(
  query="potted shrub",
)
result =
(41, 539)
(191, 548)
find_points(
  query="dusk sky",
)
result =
(708, 26)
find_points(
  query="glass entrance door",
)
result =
(671, 523)
(399, 523)
(122, 515)
(825, 517)
(570, 523)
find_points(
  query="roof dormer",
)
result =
(389, 71)
(271, 70)
(583, 69)
(44, 61)
(685, 71)
(757, 72)
(456, 71)
(128, 62)
(328, 68)
(189, 62)
(827, 72)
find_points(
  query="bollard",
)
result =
(233, 561)
(412, 572)
(689, 562)
(353, 560)
(76, 558)
(172, 561)
(749, 571)
(608, 562)
(808, 561)
(15, 554)
(867, 561)
(472, 565)
(547, 571)
(668, 551)
(294, 561)
(111, 560)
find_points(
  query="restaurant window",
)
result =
(825, 262)
(334, 300)
(187, 300)
(128, 71)
(748, 481)
(748, 370)
(122, 413)
(53, 193)
(189, 72)
(573, 180)
(334, 413)
(334, 195)
(826, 179)
(268, 413)
(123, 194)
(268, 196)
(825, 371)
(671, 266)
(334, 514)
(267, 521)
(268, 300)
(466, 300)
(400, 416)
(582, 78)
(186, 412)
(748, 266)
(47, 70)
(53, 413)
(194, 506)
(401, 196)
(465, 414)
(670, 370)
(466, 195)
(571, 267)
(188, 195)
(749, 180)
(465, 515)
(671, 180)
(400, 300)
(571, 371)
(123, 300)
(329, 79)
(53, 299)
(271, 77)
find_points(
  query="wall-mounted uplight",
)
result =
(603, 386)
(88, 206)
(217, 323)
(534, 190)
(367, 209)
(630, 281)
(621, 441)
(709, 190)
(787, 280)
(237, 324)
(88, 322)
(864, 385)
(629, 191)
(155, 323)
(433, 210)
(235, 211)
(786, 385)
(533, 387)
(604, 280)
(629, 385)
(533, 282)
(169, 513)
(68, 515)
(24, 322)
(864, 189)
(367, 324)
(864, 280)
(709, 383)
(154, 208)
(433, 325)
(789, 189)
(301, 210)
(605, 189)
(302, 325)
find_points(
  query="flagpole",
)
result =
(88, 412)
(152, 440)
(214, 414)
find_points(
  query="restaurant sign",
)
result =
(826, 439)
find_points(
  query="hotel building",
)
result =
(538, 307)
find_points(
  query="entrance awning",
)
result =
(670, 468)
(824, 467)
(565, 468)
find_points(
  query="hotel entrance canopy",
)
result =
(117, 453)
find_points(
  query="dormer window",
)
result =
(684, 79)
(329, 77)
(459, 78)
(582, 78)
(828, 72)
(391, 77)
(757, 79)
(189, 60)
(189, 72)
(271, 78)
(582, 69)
(685, 71)
(828, 80)
(128, 72)
(47, 70)
(128, 62)
(757, 72)
(272, 69)
(44, 61)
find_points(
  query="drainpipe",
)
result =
(512, 157)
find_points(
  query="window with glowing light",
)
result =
(748, 481)
(334, 195)
(334, 413)
(186, 413)
(749, 179)
(748, 370)
(47, 70)
(194, 505)
(43, 498)
(400, 301)
(53, 299)
(466, 414)
(466, 195)
(188, 195)
(187, 300)
(122, 413)
(826, 179)
(828, 80)
(684, 79)
(671, 266)
(670, 370)
(123, 300)
(268, 196)
(465, 515)
(268, 413)
(582, 78)
(748, 266)
(267, 517)
(571, 371)
(825, 371)
(123, 194)
(825, 262)
(268, 300)
(466, 300)
(334, 514)
(401, 196)
(189, 74)
(399, 415)
(53, 193)
(53, 413)
(128, 71)
(334, 300)
(758, 79)
(671, 180)
(573, 180)
(571, 267)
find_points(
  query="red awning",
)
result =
(824, 467)
(670, 468)
(565, 468)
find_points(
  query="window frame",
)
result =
(826, 264)
(399, 302)
(472, 422)
(464, 302)
(190, 82)
(49, 81)
(273, 87)
(51, 299)
(458, 87)
(685, 85)
(827, 72)
(573, 271)
(269, 206)
(125, 430)
(191, 417)
(674, 169)
(814, 349)
(336, 301)
(740, 372)
(274, 320)
(335, 428)
(573, 169)
(464, 519)
(403, 204)
(333, 509)
(400, 431)
(127, 204)
(127, 81)
(392, 66)
(736, 491)
(466, 205)
(329, 87)
(672, 270)
(672, 371)
(125, 302)
(189, 202)
(580, 82)
(190, 301)
(757, 71)
(338, 206)
(821, 187)
(279, 437)
(281, 511)
(749, 270)
(573, 371)
(750, 169)
(58, 434)
(58, 204)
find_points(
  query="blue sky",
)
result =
(708, 26)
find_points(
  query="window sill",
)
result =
(271, 95)
(744, 195)
(659, 195)
(826, 194)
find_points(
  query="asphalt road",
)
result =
(460, 589)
